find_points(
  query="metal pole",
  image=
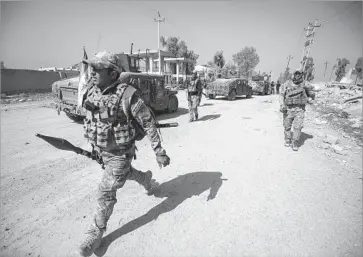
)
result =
(326, 65)
(158, 20)
(288, 62)
(307, 55)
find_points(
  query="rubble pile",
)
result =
(25, 97)
(341, 105)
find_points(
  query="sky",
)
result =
(37, 34)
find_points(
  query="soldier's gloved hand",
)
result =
(283, 108)
(163, 160)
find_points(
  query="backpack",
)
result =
(126, 103)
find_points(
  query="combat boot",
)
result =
(294, 145)
(295, 139)
(150, 184)
(287, 138)
(92, 242)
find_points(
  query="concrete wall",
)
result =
(14, 80)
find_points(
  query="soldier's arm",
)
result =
(282, 95)
(145, 118)
(309, 91)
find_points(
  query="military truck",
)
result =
(151, 86)
(231, 88)
(260, 84)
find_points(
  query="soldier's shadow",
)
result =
(209, 117)
(303, 137)
(176, 192)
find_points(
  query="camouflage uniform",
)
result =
(293, 99)
(112, 127)
(194, 93)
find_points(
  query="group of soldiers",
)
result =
(275, 89)
(117, 117)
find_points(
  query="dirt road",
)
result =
(232, 188)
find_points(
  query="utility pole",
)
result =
(310, 33)
(98, 41)
(158, 20)
(288, 62)
(326, 65)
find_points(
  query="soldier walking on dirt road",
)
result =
(194, 90)
(293, 99)
(116, 116)
(278, 85)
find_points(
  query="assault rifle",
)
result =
(63, 144)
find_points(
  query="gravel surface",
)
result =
(232, 188)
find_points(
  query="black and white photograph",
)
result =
(181, 128)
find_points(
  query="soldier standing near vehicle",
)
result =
(116, 116)
(278, 85)
(200, 90)
(272, 87)
(194, 88)
(293, 98)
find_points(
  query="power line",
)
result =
(327, 20)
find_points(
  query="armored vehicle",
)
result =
(260, 85)
(231, 88)
(151, 86)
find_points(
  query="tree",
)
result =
(340, 71)
(229, 70)
(218, 59)
(286, 76)
(281, 77)
(246, 59)
(179, 48)
(309, 69)
(359, 68)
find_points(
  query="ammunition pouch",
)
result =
(296, 96)
(89, 106)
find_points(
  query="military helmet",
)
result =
(298, 76)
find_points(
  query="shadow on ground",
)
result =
(176, 191)
(205, 104)
(209, 117)
(303, 137)
(165, 116)
(238, 98)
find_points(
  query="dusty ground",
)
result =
(269, 200)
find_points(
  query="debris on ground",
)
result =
(7, 99)
(339, 105)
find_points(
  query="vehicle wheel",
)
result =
(248, 96)
(173, 104)
(211, 96)
(232, 95)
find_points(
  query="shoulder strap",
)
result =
(125, 98)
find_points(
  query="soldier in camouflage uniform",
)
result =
(293, 98)
(116, 116)
(194, 91)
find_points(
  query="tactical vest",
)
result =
(192, 86)
(295, 95)
(109, 125)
